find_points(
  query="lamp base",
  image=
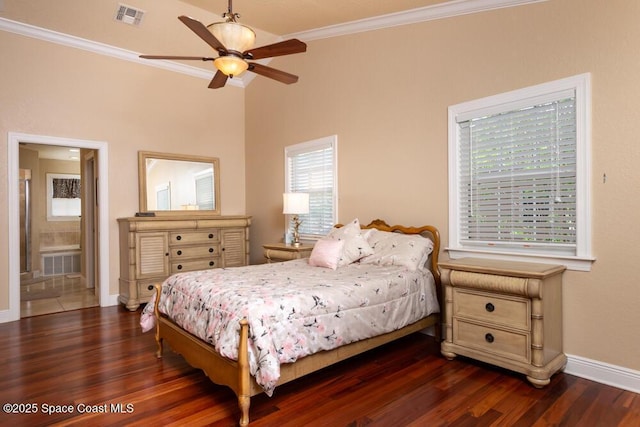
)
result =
(296, 234)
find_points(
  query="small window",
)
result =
(519, 174)
(205, 191)
(310, 167)
(63, 197)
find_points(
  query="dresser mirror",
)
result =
(172, 184)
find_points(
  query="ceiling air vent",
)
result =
(129, 15)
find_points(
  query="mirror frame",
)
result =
(143, 156)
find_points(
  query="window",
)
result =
(519, 175)
(63, 197)
(310, 167)
(205, 191)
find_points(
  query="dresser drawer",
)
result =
(179, 267)
(188, 237)
(508, 344)
(145, 290)
(205, 251)
(511, 311)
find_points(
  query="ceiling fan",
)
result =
(233, 42)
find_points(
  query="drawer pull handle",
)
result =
(489, 307)
(210, 250)
(489, 338)
(179, 252)
(178, 237)
(211, 263)
(179, 266)
(211, 235)
(150, 287)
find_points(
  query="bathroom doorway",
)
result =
(58, 272)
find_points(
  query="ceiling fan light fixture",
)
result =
(231, 65)
(234, 37)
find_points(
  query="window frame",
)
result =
(309, 146)
(581, 84)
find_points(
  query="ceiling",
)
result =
(55, 152)
(162, 33)
(281, 17)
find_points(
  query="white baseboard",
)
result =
(594, 370)
(111, 301)
(8, 316)
(604, 373)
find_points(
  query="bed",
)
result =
(239, 345)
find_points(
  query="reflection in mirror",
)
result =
(176, 183)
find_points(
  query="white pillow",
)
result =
(407, 250)
(355, 246)
(326, 253)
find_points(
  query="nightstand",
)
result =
(508, 314)
(276, 252)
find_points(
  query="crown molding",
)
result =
(428, 13)
(412, 16)
(104, 49)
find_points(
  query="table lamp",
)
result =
(295, 204)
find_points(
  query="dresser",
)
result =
(153, 248)
(508, 314)
(277, 252)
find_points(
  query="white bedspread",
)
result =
(293, 309)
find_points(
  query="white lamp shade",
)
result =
(295, 203)
(233, 36)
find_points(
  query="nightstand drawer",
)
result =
(508, 344)
(511, 311)
(278, 252)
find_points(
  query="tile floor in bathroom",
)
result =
(54, 294)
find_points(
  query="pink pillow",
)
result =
(326, 253)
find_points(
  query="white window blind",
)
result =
(519, 169)
(311, 168)
(205, 191)
(518, 176)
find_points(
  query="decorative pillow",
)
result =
(326, 253)
(355, 246)
(410, 251)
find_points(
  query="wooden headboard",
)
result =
(426, 230)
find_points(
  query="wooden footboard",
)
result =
(199, 354)
(236, 375)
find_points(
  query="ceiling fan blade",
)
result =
(218, 81)
(199, 28)
(186, 58)
(286, 47)
(272, 73)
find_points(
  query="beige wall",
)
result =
(385, 94)
(52, 90)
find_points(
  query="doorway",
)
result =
(57, 208)
(96, 156)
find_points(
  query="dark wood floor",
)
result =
(98, 359)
